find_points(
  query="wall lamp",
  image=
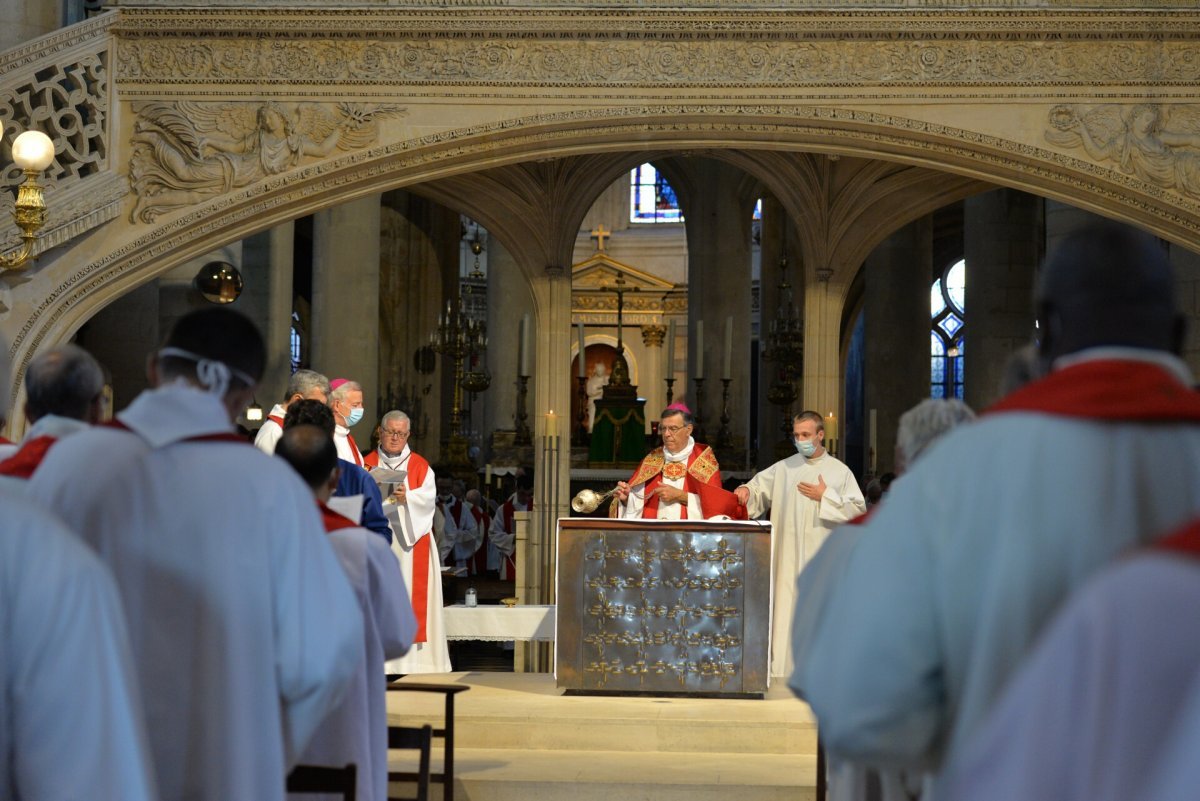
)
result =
(33, 152)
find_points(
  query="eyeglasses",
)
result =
(672, 429)
(396, 434)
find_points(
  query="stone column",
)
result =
(896, 331)
(651, 383)
(345, 315)
(823, 301)
(1003, 236)
(509, 299)
(774, 233)
(719, 256)
(267, 262)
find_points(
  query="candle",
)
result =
(582, 366)
(487, 474)
(871, 438)
(830, 426)
(699, 350)
(727, 372)
(523, 347)
(670, 369)
(551, 424)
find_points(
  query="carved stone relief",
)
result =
(1158, 144)
(186, 152)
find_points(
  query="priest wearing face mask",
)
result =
(667, 485)
(346, 400)
(808, 495)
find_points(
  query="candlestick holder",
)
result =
(580, 435)
(697, 417)
(670, 390)
(725, 435)
(523, 435)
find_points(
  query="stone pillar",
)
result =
(896, 331)
(345, 315)
(823, 302)
(1003, 240)
(267, 263)
(1062, 219)
(718, 231)
(509, 299)
(651, 386)
(774, 233)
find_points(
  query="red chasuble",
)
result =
(701, 469)
(1108, 389)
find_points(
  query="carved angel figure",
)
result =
(1138, 139)
(186, 152)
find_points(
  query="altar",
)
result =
(663, 607)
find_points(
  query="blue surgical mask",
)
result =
(806, 447)
(354, 416)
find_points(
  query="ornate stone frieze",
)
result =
(553, 64)
(1156, 143)
(185, 152)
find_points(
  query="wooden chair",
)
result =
(446, 733)
(412, 737)
(322, 779)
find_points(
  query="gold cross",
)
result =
(600, 235)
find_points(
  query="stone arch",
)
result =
(74, 286)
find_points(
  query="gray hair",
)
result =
(343, 390)
(395, 416)
(64, 381)
(924, 423)
(304, 381)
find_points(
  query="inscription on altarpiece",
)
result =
(663, 610)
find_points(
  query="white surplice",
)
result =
(269, 432)
(357, 730)
(1089, 714)
(244, 629)
(462, 534)
(798, 527)
(347, 448)
(70, 717)
(933, 602)
(410, 522)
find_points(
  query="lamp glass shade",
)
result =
(219, 282)
(33, 150)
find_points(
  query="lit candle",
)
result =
(487, 474)
(830, 427)
(727, 372)
(582, 366)
(551, 424)
(699, 350)
(670, 369)
(523, 347)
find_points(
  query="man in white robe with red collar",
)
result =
(668, 484)
(918, 618)
(346, 400)
(64, 394)
(303, 385)
(410, 509)
(356, 731)
(503, 535)
(244, 630)
(462, 535)
(1092, 712)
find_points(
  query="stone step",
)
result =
(525, 711)
(506, 774)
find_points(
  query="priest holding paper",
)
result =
(673, 482)
(409, 506)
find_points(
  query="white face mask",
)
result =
(807, 447)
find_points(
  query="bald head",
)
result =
(311, 453)
(1108, 284)
(65, 381)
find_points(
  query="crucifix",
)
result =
(599, 234)
(620, 372)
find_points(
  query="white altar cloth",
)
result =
(500, 623)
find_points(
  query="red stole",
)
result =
(334, 521)
(418, 469)
(371, 461)
(22, 463)
(508, 563)
(1184, 541)
(276, 419)
(1108, 389)
(690, 485)
(358, 457)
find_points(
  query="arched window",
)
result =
(947, 310)
(297, 354)
(652, 200)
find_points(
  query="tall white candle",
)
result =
(670, 368)
(582, 367)
(727, 372)
(523, 357)
(699, 349)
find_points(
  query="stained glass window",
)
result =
(652, 200)
(947, 310)
(295, 343)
